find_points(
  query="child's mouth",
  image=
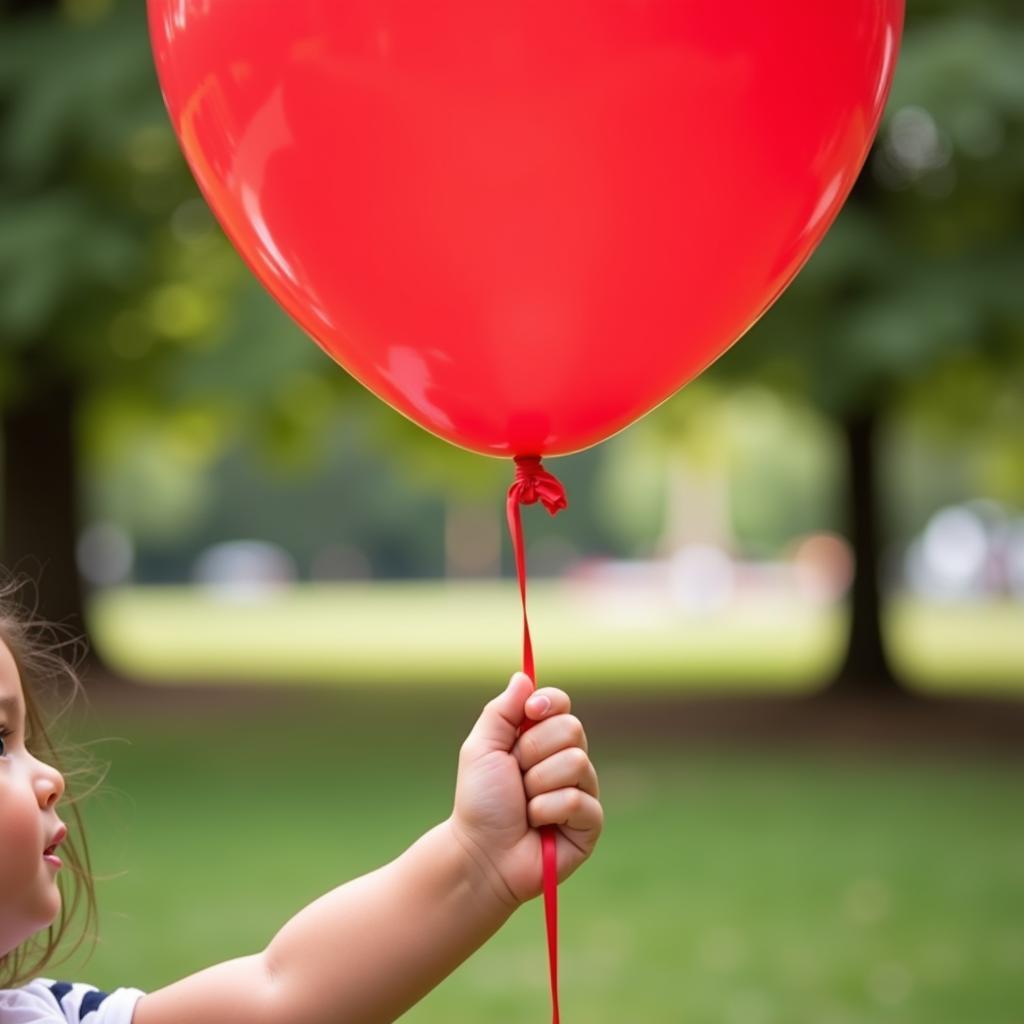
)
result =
(50, 853)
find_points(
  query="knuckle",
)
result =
(535, 811)
(575, 727)
(530, 748)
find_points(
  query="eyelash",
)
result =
(4, 733)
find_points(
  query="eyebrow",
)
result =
(9, 704)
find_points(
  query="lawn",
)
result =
(732, 885)
(467, 632)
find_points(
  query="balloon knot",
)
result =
(533, 484)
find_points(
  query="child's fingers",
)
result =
(547, 701)
(547, 738)
(569, 767)
(570, 807)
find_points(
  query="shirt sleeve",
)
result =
(79, 1003)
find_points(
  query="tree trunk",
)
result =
(39, 476)
(41, 501)
(865, 670)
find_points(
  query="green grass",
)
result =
(463, 633)
(731, 885)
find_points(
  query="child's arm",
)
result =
(364, 952)
(368, 950)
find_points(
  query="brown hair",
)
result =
(38, 650)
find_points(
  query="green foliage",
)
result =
(922, 269)
(112, 271)
(84, 181)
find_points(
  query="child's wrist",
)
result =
(486, 878)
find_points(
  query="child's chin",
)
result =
(51, 907)
(42, 921)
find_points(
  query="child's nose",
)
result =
(49, 785)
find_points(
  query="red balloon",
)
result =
(525, 224)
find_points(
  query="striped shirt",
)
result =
(45, 1001)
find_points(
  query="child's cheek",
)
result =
(22, 869)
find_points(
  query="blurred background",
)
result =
(788, 604)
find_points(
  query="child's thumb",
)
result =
(498, 726)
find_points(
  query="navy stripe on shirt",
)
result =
(91, 1001)
(60, 989)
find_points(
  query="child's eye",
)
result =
(4, 733)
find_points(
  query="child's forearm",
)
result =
(361, 954)
(368, 950)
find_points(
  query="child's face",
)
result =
(29, 790)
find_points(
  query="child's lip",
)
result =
(58, 838)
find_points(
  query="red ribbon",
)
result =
(533, 484)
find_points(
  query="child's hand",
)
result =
(507, 787)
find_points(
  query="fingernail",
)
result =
(539, 705)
